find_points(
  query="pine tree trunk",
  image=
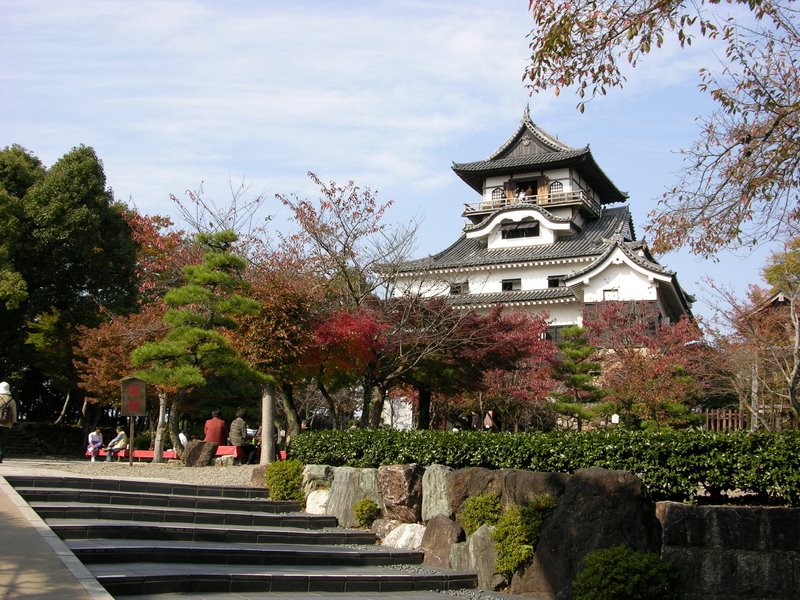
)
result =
(173, 424)
(158, 445)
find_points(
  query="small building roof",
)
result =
(532, 148)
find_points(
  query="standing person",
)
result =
(118, 444)
(95, 442)
(8, 416)
(238, 436)
(215, 430)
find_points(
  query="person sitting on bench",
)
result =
(118, 444)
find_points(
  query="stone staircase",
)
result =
(142, 539)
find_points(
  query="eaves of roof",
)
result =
(475, 173)
(588, 244)
(518, 298)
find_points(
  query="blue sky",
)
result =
(172, 94)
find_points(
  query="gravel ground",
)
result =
(169, 472)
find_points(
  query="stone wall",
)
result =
(732, 553)
(735, 553)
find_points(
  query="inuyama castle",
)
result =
(547, 231)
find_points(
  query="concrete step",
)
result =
(111, 551)
(116, 497)
(137, 485)
(141, 538)
(71, 529)
(79, 510)
(149, 578)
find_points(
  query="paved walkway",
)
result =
(34, 562)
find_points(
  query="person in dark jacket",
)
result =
(238, 437)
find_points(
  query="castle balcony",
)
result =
(477, 210)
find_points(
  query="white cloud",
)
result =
(175, 93)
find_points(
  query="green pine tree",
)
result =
(577, 374)
(195, 346)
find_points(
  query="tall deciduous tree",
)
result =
(652, 371)
(741, 177)
(67, 254)
(103, 353)
(200, 311)
(342, 239)
(759, 340)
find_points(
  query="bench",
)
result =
(234, 451)
(137, 454)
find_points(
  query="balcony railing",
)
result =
(562, 198)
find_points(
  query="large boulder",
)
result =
(317, 502)
(382, 527)
(478, 555)
(317, 477)
(198, 453)
(401, 488)
(348, 487)
(407, 536)
(599, 508)
(258, 477)
(513, 486)
(434, 492)
(440, 535)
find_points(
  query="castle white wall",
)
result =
(629, 284)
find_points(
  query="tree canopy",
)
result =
(740, 182)
(67, 255)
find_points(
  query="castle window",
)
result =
(556, 188)
(555, 334)
(610, 295)
(497, 194)
(554, 281)
(462, 287)
(511, 285)
(523, 229)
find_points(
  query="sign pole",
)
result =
(130, 442)
(134, 404)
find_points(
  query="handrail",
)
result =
(538, 200)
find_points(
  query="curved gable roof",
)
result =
(532, 148)
(589, 244)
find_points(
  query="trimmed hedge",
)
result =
(674, 465)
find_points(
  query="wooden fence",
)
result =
(724, 419)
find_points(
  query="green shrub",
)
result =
(673, 465)
(517, 533)
(535, 513)
(512, 545)
(366, 511)
(619, 573)
(284, 479)
(479, 510)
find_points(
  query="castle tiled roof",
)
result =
(532, 148)
(591, 242)
(544, 296)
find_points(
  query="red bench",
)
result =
(234, 451)
(137, 454)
